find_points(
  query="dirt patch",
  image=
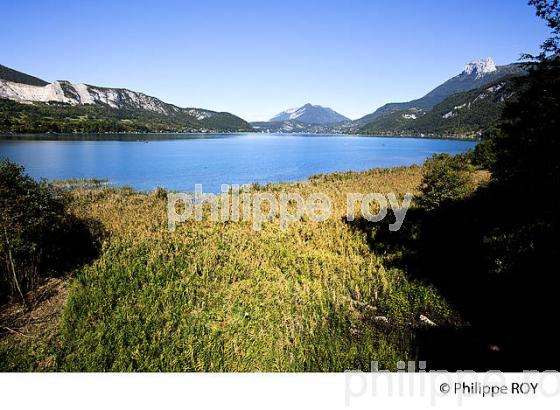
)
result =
(40, 316)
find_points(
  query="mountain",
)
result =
(465, 114)
(476, 74)
(310, 114)
(80, 107)
(305, 119)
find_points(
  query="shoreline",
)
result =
(107, 136)
(96, 183)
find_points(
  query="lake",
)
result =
(178, 162)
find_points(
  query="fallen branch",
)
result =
(17, 332)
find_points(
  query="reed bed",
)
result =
(215, 296)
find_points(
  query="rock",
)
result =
(494, 348)
(424, 320)
(480, 68)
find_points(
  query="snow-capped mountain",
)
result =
(480, 68)
(310, 114)
(284, 115)
(476, 74)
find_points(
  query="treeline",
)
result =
(64, 118)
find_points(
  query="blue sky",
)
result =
(256, 58)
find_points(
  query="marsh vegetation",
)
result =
(215, 296)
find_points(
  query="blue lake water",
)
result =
(178, 162)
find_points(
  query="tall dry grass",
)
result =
(214, 296)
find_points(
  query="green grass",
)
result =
(221, 297)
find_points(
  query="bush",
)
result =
(38, 236)
(446, 178)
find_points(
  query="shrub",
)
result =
(446, 178)
(38, 236)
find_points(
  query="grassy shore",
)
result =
(215, 296)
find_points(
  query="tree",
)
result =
(549, 10)
(527, 146)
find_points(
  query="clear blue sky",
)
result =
(256, 58)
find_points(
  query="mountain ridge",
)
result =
(475, 74)
(308, 118)
(9, 74)
(35, 91)
(310, 114)
(467, 114)
(62, 106)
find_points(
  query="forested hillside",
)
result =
(59, 117)
(466, 114)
